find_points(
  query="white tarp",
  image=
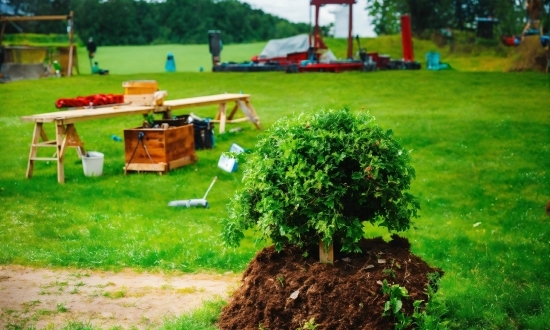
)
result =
(327, 57)
(282, 47)
(296, 44)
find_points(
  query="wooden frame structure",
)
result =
(317, 40)
(66, 135)
(69, 18)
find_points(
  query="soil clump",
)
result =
(284, 290)
(530, 55)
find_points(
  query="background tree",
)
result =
(427, 16)
(384, 15)
(139, 22)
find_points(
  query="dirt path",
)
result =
(45, 297)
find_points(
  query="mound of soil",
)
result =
(530, 55)
(284, 290)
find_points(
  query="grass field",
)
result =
(190, 58)
(465, 55)
(151, 59)
(479, 143)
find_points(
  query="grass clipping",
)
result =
(529, 56)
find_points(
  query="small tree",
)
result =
(320, 177)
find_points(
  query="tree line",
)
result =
(140, 22)
(143, 22)
(427, 16)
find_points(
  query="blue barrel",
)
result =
(170, 63)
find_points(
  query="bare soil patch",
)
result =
(284, 290)
(45, 297)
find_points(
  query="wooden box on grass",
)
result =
(168, 148)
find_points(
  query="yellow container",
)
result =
(138, 87)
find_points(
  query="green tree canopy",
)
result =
(320, 177)
(139, 22)
(456, 14)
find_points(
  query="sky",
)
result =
(298, 11)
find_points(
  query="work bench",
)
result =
(66, 135)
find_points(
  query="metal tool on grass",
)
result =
(194, 202)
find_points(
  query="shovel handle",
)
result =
(211, 185)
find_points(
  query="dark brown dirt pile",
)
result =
(345, 295)
(529, 55)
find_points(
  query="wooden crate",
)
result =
(138, 87)
(140, 92)
(169, 148)
(139, 99)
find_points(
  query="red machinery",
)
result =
(308, 61)
(333, 66)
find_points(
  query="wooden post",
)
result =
(326, 256)
(233, 111)
(316, 32)
(59, 133)
(2, 32)
(223, 114)
(253, 114)
(70, 21)
(406, 38)
(350, 28)
(32, 155)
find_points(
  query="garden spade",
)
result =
(197, 202)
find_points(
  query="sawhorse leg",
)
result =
(253, 114)
(222, 118)
(36, 135)
(65, 136)
(233, 111)
(222, 114)
(250, 112)
(60, 143)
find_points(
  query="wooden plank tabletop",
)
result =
(73, 116)
(204, 100)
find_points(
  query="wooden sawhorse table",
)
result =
(66, 135)
(242, 101)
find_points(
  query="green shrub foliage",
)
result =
(321, 176)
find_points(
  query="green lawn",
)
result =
(465, 55)
(152, 59)
(190, 58)
(479, 144)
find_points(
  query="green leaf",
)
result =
(387, 306)
(397, 306)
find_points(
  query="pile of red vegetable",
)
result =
(91, 100)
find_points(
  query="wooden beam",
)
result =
(233, 111)
(60, 141)
(350, 38)
(222, 112)
(326, 256)
(32, 155)
(70, 20)
(2, 32)
(34, 18)
(331, 2)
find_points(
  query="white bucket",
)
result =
(93, 163)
